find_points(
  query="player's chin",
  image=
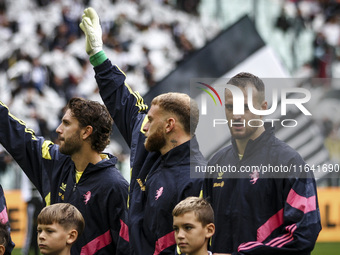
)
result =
(43, 249)
(238, 134)
(184, 250)
(147, 146)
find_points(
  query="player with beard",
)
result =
(163, 148)
(258, 212)
(76, 172)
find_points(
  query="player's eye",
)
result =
(188, 227)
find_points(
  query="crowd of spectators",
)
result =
(322, 17)
(43, 62)
(322, 70)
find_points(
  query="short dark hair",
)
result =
(4, 234)
(184, 107)
(243, 79)
(198, 205)
(93, 113)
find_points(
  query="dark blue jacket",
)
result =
(257, 214)
(158, 182)
(100, 195)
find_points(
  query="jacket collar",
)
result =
(181, 154)
(108, 160)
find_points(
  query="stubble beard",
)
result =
(71, 145)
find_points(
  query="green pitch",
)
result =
(326, 249)
(320, 249)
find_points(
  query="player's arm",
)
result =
(298, 222)
(123, 104)
(25, 147)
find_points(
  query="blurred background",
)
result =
(161, 45)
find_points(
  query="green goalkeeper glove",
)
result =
(92, 30)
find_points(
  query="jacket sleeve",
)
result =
(295, 228)
(28, 150)
(126, 107)
(118, 220)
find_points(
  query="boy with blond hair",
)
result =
(193, 224)
(59, 226)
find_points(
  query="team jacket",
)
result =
(158, 182)
(100, 195)
(259, 215)
(4, 220)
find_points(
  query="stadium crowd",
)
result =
(43, 64)
(42, 49)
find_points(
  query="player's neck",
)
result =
(202, 251)
(65, 251)
(242, 143)
(175, 140)
(82, 159)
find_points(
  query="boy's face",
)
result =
(52, 238)
(190, 235)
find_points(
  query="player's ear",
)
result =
(170, 124)
(210, 230)
(87, 131)
(72, 236)
(2, 249)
